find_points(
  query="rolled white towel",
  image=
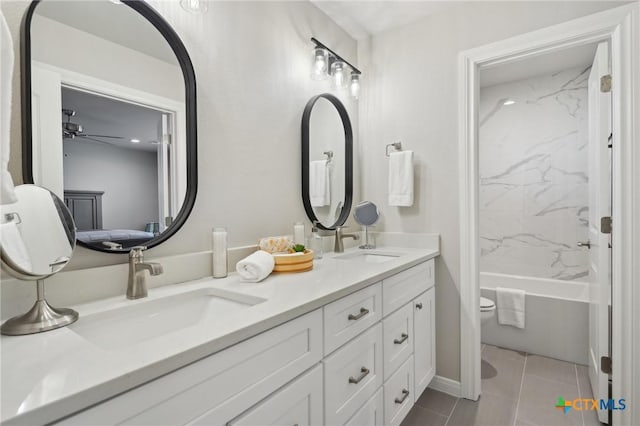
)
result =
(255, 267)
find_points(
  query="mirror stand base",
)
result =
(41, 317)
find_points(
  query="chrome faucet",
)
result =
(137, 285)
(338, 247)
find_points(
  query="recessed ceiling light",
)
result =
(135, 140)
(509, 102)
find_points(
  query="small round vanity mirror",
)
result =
(37, 240)
(366, 214)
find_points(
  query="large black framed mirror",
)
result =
(109, 119)
(327, 161)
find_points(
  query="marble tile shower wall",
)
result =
(533, 176)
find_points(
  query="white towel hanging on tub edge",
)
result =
(510, 304)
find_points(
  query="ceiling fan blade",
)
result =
(94, 140)
(103, 136)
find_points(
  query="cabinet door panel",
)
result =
(425, 340)
(403, 287)
(371, 413)
(353, 373)
(398, 338)
(398, 394)
(298, 403)
(345, 318)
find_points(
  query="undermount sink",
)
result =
(147, 319)
(369, 256)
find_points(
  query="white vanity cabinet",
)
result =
(218, 388)
(401, 338)
(360, 360)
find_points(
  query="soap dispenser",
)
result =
(316, 242)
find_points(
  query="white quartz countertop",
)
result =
(50, 375)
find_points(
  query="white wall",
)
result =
(252, 64)
(66, 47)
(128, 177)
(533, 165)
(410, 94)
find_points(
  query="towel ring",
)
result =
(13, 217)
(329, 155)
(396, 145)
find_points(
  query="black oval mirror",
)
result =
(327, 162)
(109, 119)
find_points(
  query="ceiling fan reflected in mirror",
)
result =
(72, 130)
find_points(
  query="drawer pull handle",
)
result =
(364, 372)
(363, 312)
(418, 305)
(405, 394)
(403, 337)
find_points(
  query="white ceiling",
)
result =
(581, 56)
(361, 19)
(117, 23)
(99, 115)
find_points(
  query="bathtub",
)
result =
(556, 317)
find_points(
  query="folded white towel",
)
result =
(510, 304)
(401, 178)
(7, 195)
(319, 183)
(13, 246)
(256, 267)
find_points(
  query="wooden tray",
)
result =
(294, 262)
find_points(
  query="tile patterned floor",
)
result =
(518, 389)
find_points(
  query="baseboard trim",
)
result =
(448, 386)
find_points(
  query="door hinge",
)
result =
(605, 83)
(605, 225)
(610, 140)
(167, 139)
(168, 220)
(605, 364)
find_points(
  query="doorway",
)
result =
(613, 27)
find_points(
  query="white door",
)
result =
(599, 206)
(46, 129)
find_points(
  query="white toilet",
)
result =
(487, 309)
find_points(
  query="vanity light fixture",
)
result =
(194, 6)
(508, 102)
(337, 74)
(327, 63)
(354, 86)
(320, 64)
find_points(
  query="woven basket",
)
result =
(294, 262)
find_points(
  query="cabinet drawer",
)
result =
(371, 413)
(219, 387)
(401, 288)
(298, 403)
(352, 375)
(398, 394)
(344, 319)
(397, 332)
